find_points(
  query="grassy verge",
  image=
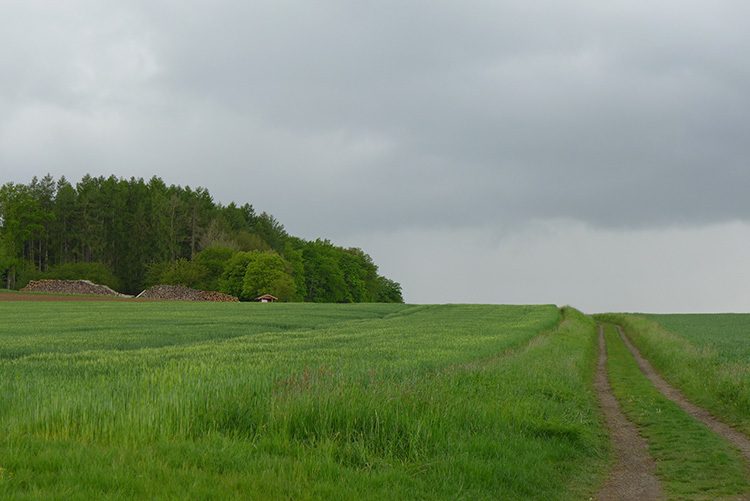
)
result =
(702, 373)
(298, 401)
(693, 462)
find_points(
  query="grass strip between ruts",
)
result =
(693, 462)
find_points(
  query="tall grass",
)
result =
(298, 401)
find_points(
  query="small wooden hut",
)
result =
(266, 298)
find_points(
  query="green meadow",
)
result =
(297, 401)
(125, 400)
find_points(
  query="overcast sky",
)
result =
(507, 151)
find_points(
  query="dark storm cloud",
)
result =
(378, 115)
(505, 151)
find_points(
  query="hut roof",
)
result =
(266, 297)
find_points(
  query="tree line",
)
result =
(132, 234)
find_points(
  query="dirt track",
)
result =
(634, 473)
(740, 440)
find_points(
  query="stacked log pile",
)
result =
(71, 287)
(165, 292)
(182, 293)
(218, 297)
(172, 293)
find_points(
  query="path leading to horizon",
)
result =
(740, 440)
(633, 475)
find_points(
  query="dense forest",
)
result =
(132, 234)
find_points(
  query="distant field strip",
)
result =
(728, 334)
(278, 401)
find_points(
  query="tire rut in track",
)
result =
(634, 473)
(740, 440)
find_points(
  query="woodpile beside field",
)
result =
(164, 292)
(182, 293)
(71, 287)
(218, 297)
(173, 293)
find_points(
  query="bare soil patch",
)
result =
(634, 473)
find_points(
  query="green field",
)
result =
(728, 334)
(122, 400)
(302, 401)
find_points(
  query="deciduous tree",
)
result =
(268, 273)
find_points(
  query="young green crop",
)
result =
(279, 401)
(728, 334)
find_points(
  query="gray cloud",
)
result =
(343, 118)
(543, 110)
